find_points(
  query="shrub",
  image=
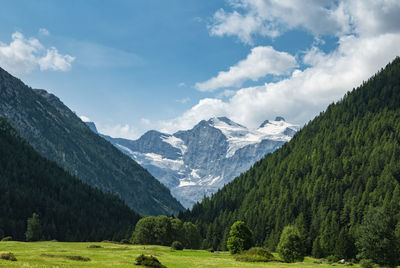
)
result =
(125, 241)
(332, 258)
(255, 254)
(176, 245)
(367, 263)
(290, 247)
(94, 246)
(78, 258)
(8, 256)
(7, 238)
(149, 261)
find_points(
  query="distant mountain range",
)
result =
(197, 162)
(60, 136)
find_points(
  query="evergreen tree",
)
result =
(376, 238)
(34, 229)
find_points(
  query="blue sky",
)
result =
(131, 66)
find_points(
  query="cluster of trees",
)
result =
(163, 230)
(325, 181)
(69, 210)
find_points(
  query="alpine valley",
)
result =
(197, 162)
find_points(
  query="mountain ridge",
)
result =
(59, 135)
(197, 162)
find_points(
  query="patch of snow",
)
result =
(175, 142)
(183, 183)
(239, 136)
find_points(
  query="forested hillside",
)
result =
(69, 210)
(325, 180)
(60, 136)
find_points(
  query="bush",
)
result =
(290, 247)
(94, 246)
(125, 241)
(255, 254)
(8, 256)
(332, 258)
(149, 261)
(78, 258)
(7, 238)
(367, 263)
(176, 245)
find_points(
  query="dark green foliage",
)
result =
(125, 241)
(7, 238)
(69, 257)
(176, 245)
(342, 162)
(8, 256)
(69, 209)
(191, 236)
(240, 238)
(376, 238)
(163, 230)
(149, 261)
(34, 229)
(59, 135)
(291, 247)
(77, 258)
(367, 263)
(255, 254)
(94, 246)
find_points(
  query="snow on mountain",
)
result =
(197, 162)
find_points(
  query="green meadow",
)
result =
(62, 254)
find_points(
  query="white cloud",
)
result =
(44, 32)
(305, 93)
(181, 84)
(272, 17)
(368, 33)
(85, 118)
(259, 63)
(55, 61)
(23, 55)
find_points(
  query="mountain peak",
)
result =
(264, 123)
(279, 118)
(92, 126)
(218, 121)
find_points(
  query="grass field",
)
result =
(58, 254)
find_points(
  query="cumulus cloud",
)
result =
(320, 17)
(271, 18)
(85, 118)
(55, 61)
(23, 55)
(368, 32)
(259, 63)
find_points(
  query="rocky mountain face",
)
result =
(60, 136)
(197, 162)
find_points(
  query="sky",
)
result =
(136, 65)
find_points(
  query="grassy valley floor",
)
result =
(59, 254)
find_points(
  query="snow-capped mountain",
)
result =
(197, 162)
